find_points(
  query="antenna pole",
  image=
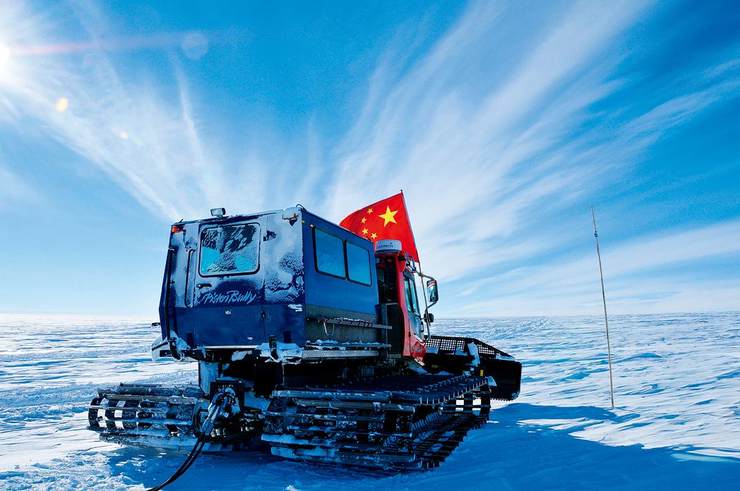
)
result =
(606, 317)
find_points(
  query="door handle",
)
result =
(203, 285)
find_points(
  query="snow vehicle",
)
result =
(311, 344)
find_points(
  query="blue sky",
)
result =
(503, 122)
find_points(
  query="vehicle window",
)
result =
(358, 264)
(229, 249)
(411, 303)
(329, 254)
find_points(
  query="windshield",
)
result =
(229, 249)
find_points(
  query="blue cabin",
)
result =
(285, 276)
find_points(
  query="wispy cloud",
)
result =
(496, 134)
(14, 191)
(489, 163)
(645, 273)
(145, 140)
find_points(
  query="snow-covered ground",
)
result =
(677, 422)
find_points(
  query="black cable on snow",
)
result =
(194, 453)
(220, 402)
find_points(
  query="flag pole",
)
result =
(606, 317)
(418, 262)
(413, 237)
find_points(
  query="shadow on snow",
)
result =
(512, 452)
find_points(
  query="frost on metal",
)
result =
(281, 352)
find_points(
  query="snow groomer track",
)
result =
(402, 422)
(152, 413)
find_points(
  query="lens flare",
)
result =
(62, 104)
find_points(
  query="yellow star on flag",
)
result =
(369, 211)
(389, 216)
(363, 220)
(373, 235)
(364, 231)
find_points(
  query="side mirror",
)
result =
(432, 291)
(428, 317)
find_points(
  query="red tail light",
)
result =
(177, 228)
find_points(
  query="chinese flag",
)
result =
(386, 219)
